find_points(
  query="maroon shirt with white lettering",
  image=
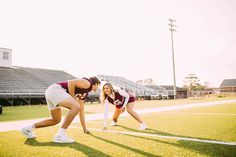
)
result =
(119, 100)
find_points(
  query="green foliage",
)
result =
(221, 96)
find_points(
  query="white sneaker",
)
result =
(62, 138)
(142, 126)
(28, 132)
(113, 123)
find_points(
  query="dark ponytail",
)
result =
(95, 80)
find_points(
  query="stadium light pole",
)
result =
(172, 26)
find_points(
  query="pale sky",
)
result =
(128, 38)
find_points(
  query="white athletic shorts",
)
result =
(54, 95)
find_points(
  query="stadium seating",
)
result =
(131, 86)
(31, 82)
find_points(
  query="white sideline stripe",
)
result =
(212, 114)
(162, 136)
(16, 125)
(185, 106)
(95, 122)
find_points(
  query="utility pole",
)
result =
(172, 26)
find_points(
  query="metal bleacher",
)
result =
(21, 82)
(128, 85)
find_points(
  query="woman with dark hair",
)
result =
(71, 95)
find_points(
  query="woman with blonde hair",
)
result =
(121, 99)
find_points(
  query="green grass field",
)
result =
(13, 113)
(23, 112)
(206, 123)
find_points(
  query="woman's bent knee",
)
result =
(56, 121)
(129, 110)
(76, 108)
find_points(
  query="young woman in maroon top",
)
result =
(69, 94)
(121, 99)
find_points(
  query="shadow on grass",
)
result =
(125, 146)
(157, 132)
(77, 146)
(210, 149)
(147, 130)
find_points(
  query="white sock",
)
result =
(31, 127)
(61, 131)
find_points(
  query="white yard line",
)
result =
(16, 125)
(208, 114)
(95, 122)
(162, 136)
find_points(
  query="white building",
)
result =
(5, 57)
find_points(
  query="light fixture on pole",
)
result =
(172, 26)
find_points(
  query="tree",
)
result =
(192, 82)
(207, 84)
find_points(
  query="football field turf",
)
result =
(189, 132)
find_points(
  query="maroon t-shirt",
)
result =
(79, 92)
(119, 100)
